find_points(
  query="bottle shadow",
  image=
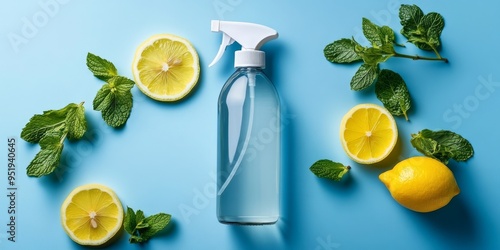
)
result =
(258, 237)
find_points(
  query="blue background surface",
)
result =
(164, 159)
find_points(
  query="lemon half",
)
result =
(92, 214)
(368, 133)
(166, 67)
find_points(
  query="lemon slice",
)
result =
(368, 133)
(166, 67)
(92, 214)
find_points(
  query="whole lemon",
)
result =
(421, 184)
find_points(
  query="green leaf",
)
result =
(387, 52)
(115, 101)
(142, 228)
(374, 56)
(75, 121)
(121, 84)
(387, 35)
(129, 222)
(372, 33)
(378, 36)
(432, 24)
(329, 169)
(118, 112)
(139, 216)
(101, 68)
(410, 16)
(39, 125)
(47, 160)
(341, 51)
(364, 77)
(156, 223)
(422, 30)
(391, 90)
(442, 145)
(103, 98)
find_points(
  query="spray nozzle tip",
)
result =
(215, 25)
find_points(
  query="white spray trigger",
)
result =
(226, 41)
(250, 36)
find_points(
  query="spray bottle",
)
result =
(249, 133)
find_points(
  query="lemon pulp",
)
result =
(91, 214)
(166, 67)
(368, 133)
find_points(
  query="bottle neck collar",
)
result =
(250, 58)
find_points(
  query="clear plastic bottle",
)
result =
(249, 139)
(249, 132)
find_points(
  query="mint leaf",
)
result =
(374, 56)
(101, 68)
(431, 26)
(103, 98)
(442, 145)
(378, 36)
(142, 228)
(121, 84)
(129, 222)
(72, 116)
(341, 51)
(139, 216)
(156, 223)
(75, 121)
(115, 101)
(329, 169)
(410, 16)
(47, 160)
(372, 33)
(387, 35)
(391, 90)
(364, 77)
(39, 125)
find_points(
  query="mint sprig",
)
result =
(329, 169)
(114, 99)
(50, 131)
(422, 30)
(382, 41)
(142, 228)
(442, 145)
